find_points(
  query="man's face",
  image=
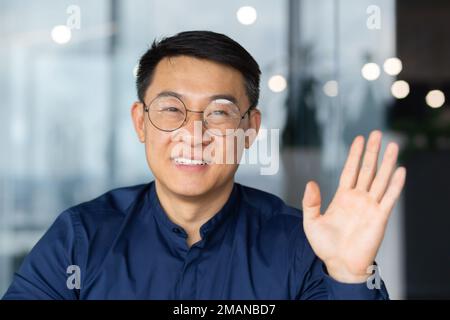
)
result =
(195, 81)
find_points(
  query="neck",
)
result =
(191, 212)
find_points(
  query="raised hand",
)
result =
(347, 237)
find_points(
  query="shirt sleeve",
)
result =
(43, 274)
(316, 284)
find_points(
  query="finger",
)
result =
(370, 161)
(383, 176)
(311, 201)
(351, 167)
(393, 191)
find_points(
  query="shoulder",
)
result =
(113, 201)
(113, 204)
(271, 213)
(274, 229)
(104, 214)
(268, 205)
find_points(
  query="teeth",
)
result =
(189, 161)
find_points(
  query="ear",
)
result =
(254, 121)
(138, 117)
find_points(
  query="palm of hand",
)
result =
(347, 236)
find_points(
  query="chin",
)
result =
(191, 181)
(189, 187)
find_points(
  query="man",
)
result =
(194, 233)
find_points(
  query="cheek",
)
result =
(157, 146)
(229, 150)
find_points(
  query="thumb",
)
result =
(311, 200)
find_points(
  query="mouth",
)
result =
(189, 162)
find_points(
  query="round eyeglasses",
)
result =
(169, 113)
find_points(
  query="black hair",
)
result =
(204, 45)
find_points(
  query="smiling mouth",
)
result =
(190, 162)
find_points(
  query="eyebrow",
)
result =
(228, 97)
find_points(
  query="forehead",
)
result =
(196, 78)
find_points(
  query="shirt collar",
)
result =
(230, 207)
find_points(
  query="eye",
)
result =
(219, 113)
(170, 109)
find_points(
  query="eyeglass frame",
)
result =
(146, 109)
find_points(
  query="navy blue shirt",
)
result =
(125, 247)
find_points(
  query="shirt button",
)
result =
(176, 230)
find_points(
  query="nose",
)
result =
(192, 132)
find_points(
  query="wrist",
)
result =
(342, 274)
